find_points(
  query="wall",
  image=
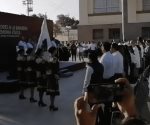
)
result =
(105, 19)
(89, 21)
(83, 12)
(143, 17)
(85, 33)
(131, 11)
(139, 5)
(87, 17)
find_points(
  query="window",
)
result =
(146, 32)
(146, 4)
(114, 33)
(97, 34)
(104, 6)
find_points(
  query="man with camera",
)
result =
(125, 102)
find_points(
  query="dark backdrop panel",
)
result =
(8, 44)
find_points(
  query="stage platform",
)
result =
(66, 70)
(72, 66)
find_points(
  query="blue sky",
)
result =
(51, 7)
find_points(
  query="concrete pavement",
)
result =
(21, 112)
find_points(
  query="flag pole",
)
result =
(44, 35)
(124, 18)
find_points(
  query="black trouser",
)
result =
(81, 57)
(118, 75)
(104, 117)
(147, 62)
(73, 56)
(109, 80)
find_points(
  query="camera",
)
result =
(103, 93)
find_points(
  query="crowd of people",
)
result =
(127, 58)
(38, 68)
(109, 62)
(117, 64)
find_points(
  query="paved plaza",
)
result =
(17, 112)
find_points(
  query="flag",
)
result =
(44, 35)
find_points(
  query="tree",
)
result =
(65, 20)
(40, 15)
(56, 29)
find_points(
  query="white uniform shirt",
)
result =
(118, 62)
(88, 74)
(23, 44)
(80, 48)
(86, 46)
(93, 46)
(83, 45)
(133, 58)
(146, 49)
(107, 61)
(137, 55)
(142, 51)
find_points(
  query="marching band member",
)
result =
(21, 67)
(52, 79)
(30, 73)
(40, 74)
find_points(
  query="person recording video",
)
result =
(125, 103)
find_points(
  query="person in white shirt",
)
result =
(137, 55)
(94, 72)
(118, 61)
(81, 54)
(132, 71)
(22, 43)
(140, 44)
(29, 45)
(107, 61)
(147, 54)
(92, 46)
(88, 45)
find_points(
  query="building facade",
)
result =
(67, 34)
(102, 19)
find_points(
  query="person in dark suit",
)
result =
(73, 49)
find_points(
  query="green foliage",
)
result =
(65, 20)
(56, 29)
(40, 15)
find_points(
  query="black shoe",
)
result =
(41, 104)
(53, 108)
(22, 97)
(32, 100)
